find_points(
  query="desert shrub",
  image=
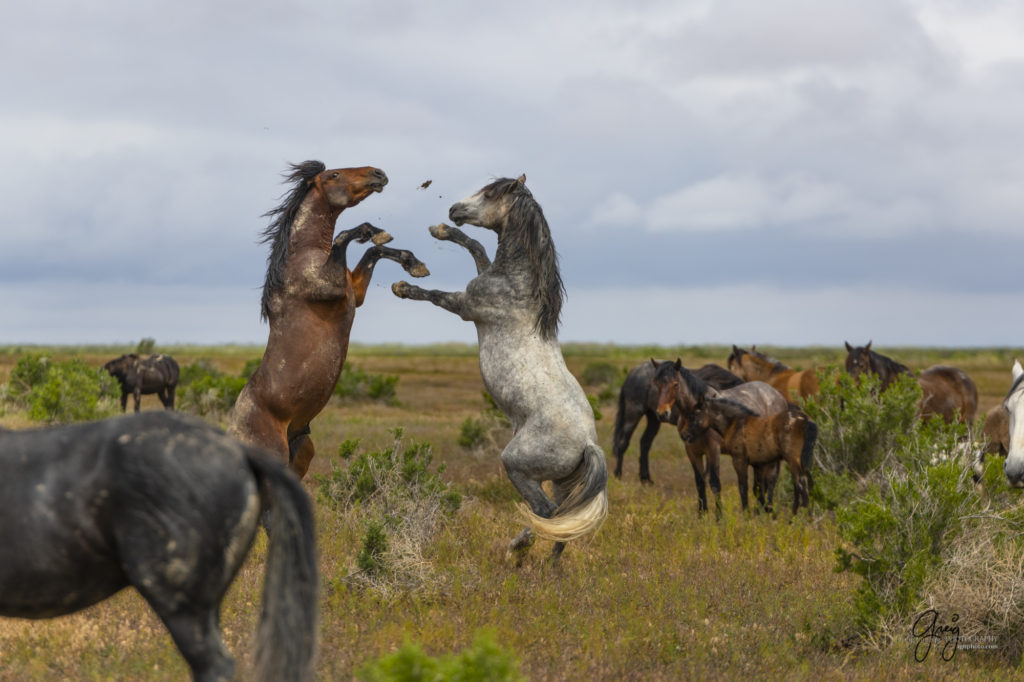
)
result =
(356, 384)
(859, 426)
(472, 433)
(60, 392)
(205, 390)
(146, 346)
(402, 503)
(484, 661)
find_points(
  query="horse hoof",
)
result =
(439, 231)
(382, 238)
(419, 270)
(400, 289)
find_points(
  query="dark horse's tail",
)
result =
(585, 508)
(807, 453)
(286, 641)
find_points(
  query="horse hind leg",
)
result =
(198, 638)
(301, 452)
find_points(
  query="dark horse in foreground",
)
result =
(515, 303)
(638, 398)
(946, 391)
(310, 299)
(170, 505)
(142, 376)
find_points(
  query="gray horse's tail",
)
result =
(586, 506)
(286, 640)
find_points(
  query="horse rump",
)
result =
(584, 509)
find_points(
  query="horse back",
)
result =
(948, 392)
(757, 396)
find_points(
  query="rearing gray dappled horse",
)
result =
(516, 303)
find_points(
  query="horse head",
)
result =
(677, 387)
(341, 188)
(858, 359)
(490, 206)
(1014, 404)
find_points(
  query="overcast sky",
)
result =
(789, 172)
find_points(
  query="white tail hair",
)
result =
(571, 526)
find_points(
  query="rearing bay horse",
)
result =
(310, 298)
(516, 303)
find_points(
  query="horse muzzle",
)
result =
(378, 179)
(1014, 471)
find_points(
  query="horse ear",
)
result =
(1017, 370)
(679, 364)
(654, 362)
(868, 347)
(521, 179)
(849, 348)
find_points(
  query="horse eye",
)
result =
(334, 175)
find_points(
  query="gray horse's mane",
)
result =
(279, 231)
(527, 236)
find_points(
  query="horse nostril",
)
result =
(379, 174)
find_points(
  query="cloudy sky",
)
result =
(794, 172)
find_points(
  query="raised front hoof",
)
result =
(440, 231)
(401, 289)
(382, 238)
(418, 270)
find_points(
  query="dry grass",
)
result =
(658, 594)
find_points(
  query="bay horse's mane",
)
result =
(279, 231)
(527, 236)
(879, 361)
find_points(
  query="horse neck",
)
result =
(313, 227)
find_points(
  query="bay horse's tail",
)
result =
(286, 640)
(584, 509)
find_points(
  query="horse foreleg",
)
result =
(739, 463)
(457, 236)
(138, 397)
(698, 478)
(452, 301)
(124, 400)
(362, 234)
(363, 272)
(646, 440)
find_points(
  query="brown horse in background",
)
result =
(759, 440)
(680, 393)
(140, 376)
(946, 391)
(752, 365)
(310, 298)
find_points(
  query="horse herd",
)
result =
(170, 505)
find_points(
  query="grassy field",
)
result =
(658, 594)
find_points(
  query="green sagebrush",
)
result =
(60, 391)
(483, 661)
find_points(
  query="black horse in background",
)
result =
(170, 505)
(639, 398)
(140, 376)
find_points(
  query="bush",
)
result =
(402, 501)
(60, 392)
(355, 384)
(205, 390)
(146, 346)
(483, 661)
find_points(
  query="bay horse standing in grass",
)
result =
(1014, 404)
(946, 391)
(752, 365)
(515, 303)
(142, 376)
(752, 438)
(170, 505)
(310, 298)
(681, 393)
(638, 398)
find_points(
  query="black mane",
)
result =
(528, 236)
(279, 230)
